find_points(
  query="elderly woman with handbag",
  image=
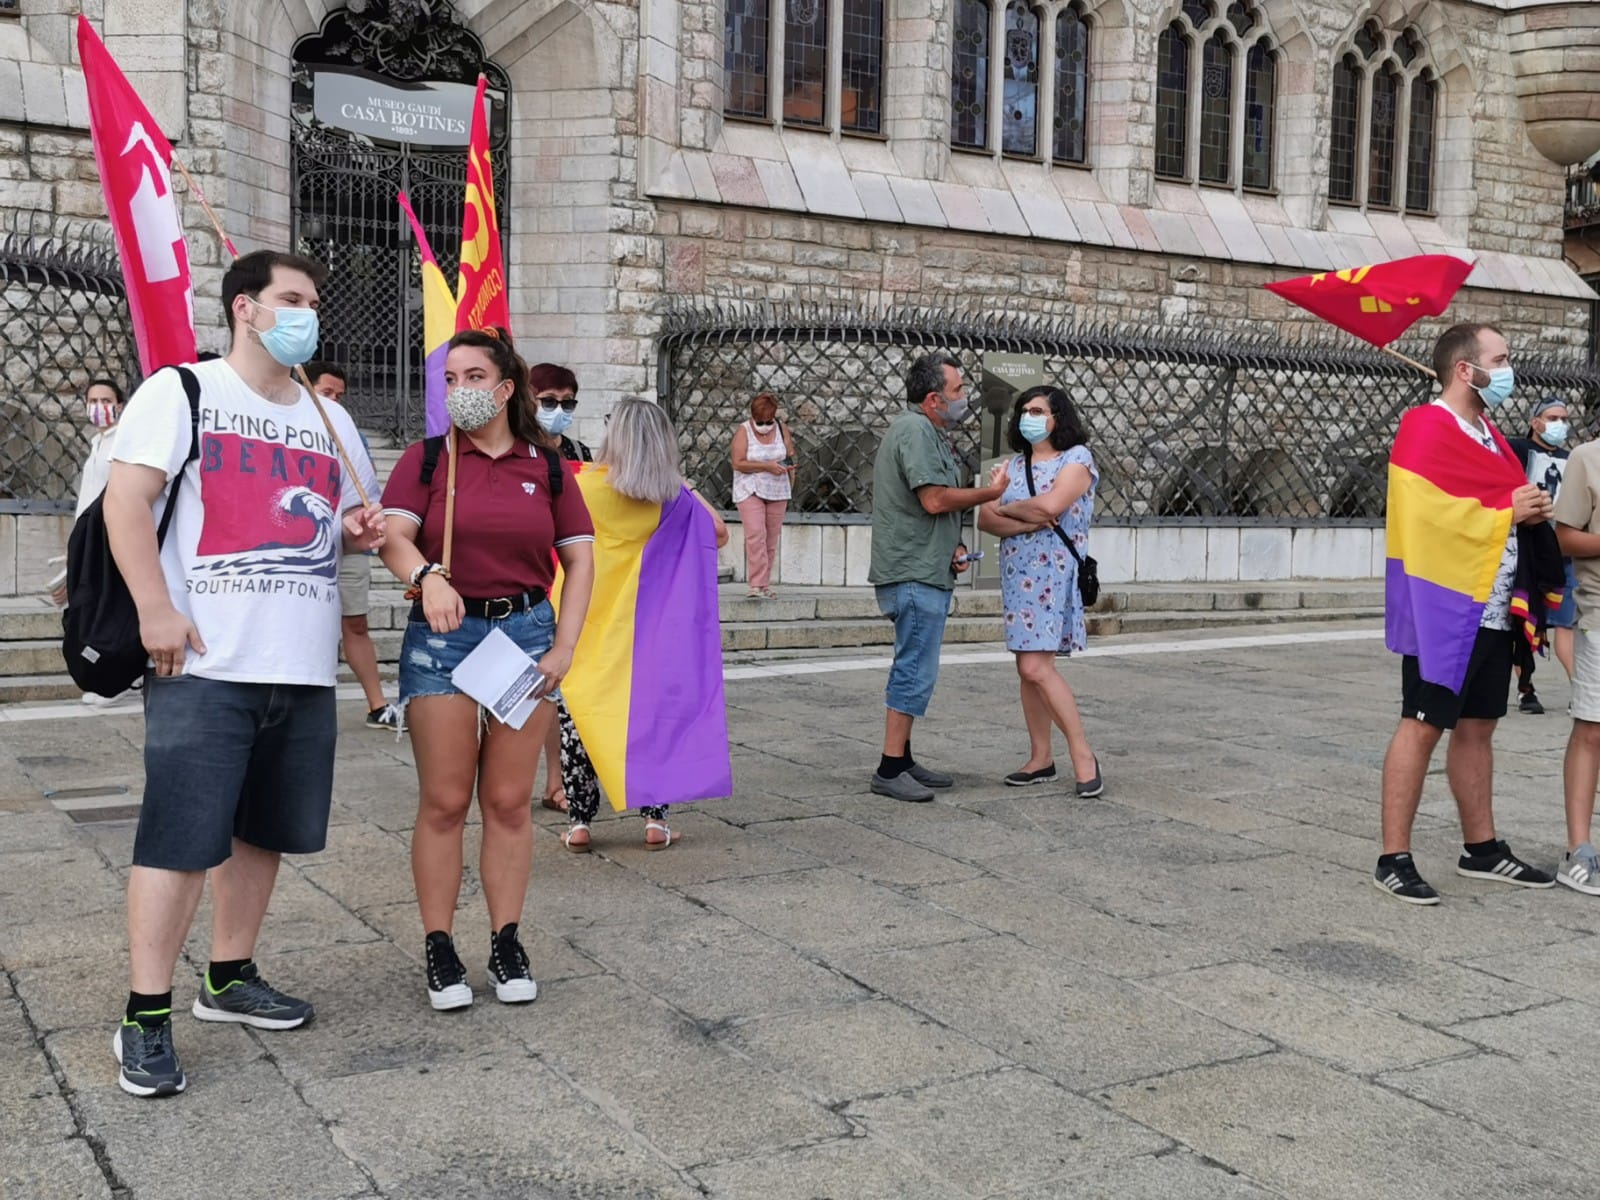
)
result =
(1043, 520)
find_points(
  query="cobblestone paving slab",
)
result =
(1185, 989)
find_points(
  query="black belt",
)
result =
(497, 609)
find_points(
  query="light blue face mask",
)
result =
(555, 420)
(1034, 427)
(1498, 390)
(293, 337)
(1555, 433)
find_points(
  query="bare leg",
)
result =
(552, 762)
(1038, 667)
(1404, 769)
(1582, 772)
(362, 656)
(1469, 763)
(896, 732)
(161, 908)
(240, 891)
(1563, 641)
(1036, 714)
(444, 738)
(506, 767)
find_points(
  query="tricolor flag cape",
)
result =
(1449, 515)
(645, 689)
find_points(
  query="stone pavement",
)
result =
(1187, 988)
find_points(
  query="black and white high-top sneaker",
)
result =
(447, 978)
(508, 968)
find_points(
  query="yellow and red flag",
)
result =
(481, 300)
(1380, 302)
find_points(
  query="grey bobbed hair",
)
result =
(641, 450)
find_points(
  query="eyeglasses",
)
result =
(551, 403)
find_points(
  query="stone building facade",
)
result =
(642, 171)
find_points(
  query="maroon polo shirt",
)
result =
(506, 525)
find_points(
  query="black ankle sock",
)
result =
(889, 767)
(224, 971)
(149, 1008)
(1482, 849)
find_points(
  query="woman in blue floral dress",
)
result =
(1039, 577)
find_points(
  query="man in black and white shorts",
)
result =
(239, 609)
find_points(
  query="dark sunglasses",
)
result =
(550, 403)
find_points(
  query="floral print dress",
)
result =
(1038, 577)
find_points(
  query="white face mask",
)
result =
(764, 429)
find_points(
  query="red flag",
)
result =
(1380, 302)
(481, 299)
(135, 161)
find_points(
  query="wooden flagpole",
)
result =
(450, 496)
(344, 455)
(1410, 362)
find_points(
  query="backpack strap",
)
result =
(191, 389)
(552, 463)
(430, 456)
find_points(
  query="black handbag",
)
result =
(1088, 569)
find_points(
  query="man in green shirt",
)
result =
(917, 501)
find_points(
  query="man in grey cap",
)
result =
(1544, 459)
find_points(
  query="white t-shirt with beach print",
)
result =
(252, 555)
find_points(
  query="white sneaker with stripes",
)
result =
(1580, 870)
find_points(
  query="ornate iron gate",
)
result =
(344, 186)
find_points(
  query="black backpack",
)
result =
(100, 627)
(431, 448)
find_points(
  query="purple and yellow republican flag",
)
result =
(645, 690)
(438, 326)
(481, 300)
(1448, 520)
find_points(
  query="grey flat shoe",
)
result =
(901, 787)
(1088, 790)
(930, 778)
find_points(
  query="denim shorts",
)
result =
(1566, 615)
(427, 658)
(918, 611)
(225, 760)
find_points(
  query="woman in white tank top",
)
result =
(763, 467)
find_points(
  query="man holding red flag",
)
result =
(1470, 554)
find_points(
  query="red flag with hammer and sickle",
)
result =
(135, 160)
(1380, 302)
(481, 300)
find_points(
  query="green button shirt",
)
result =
(908, 544)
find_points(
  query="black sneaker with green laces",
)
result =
(148, 1063)
(251, 1000)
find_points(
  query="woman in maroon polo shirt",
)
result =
(508, 518)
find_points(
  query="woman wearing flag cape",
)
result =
(476, 538)
(645, 691)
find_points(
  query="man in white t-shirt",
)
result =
(239, 609)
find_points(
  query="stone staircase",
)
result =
(803, 621)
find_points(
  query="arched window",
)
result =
(1172, 103)
(1260, 99)
(1419, 144)
(1381, 138)
(819, 71)
(1346, 134)
(1072, 85)
(1216, 96)
(1394, 134)
(744, 59)
(861, 93)
(969, 81)
(1216, 109)
(1019, 127)
(805, 63)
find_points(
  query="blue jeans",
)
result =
(918, 611)
(427, 658)
(225, 760)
